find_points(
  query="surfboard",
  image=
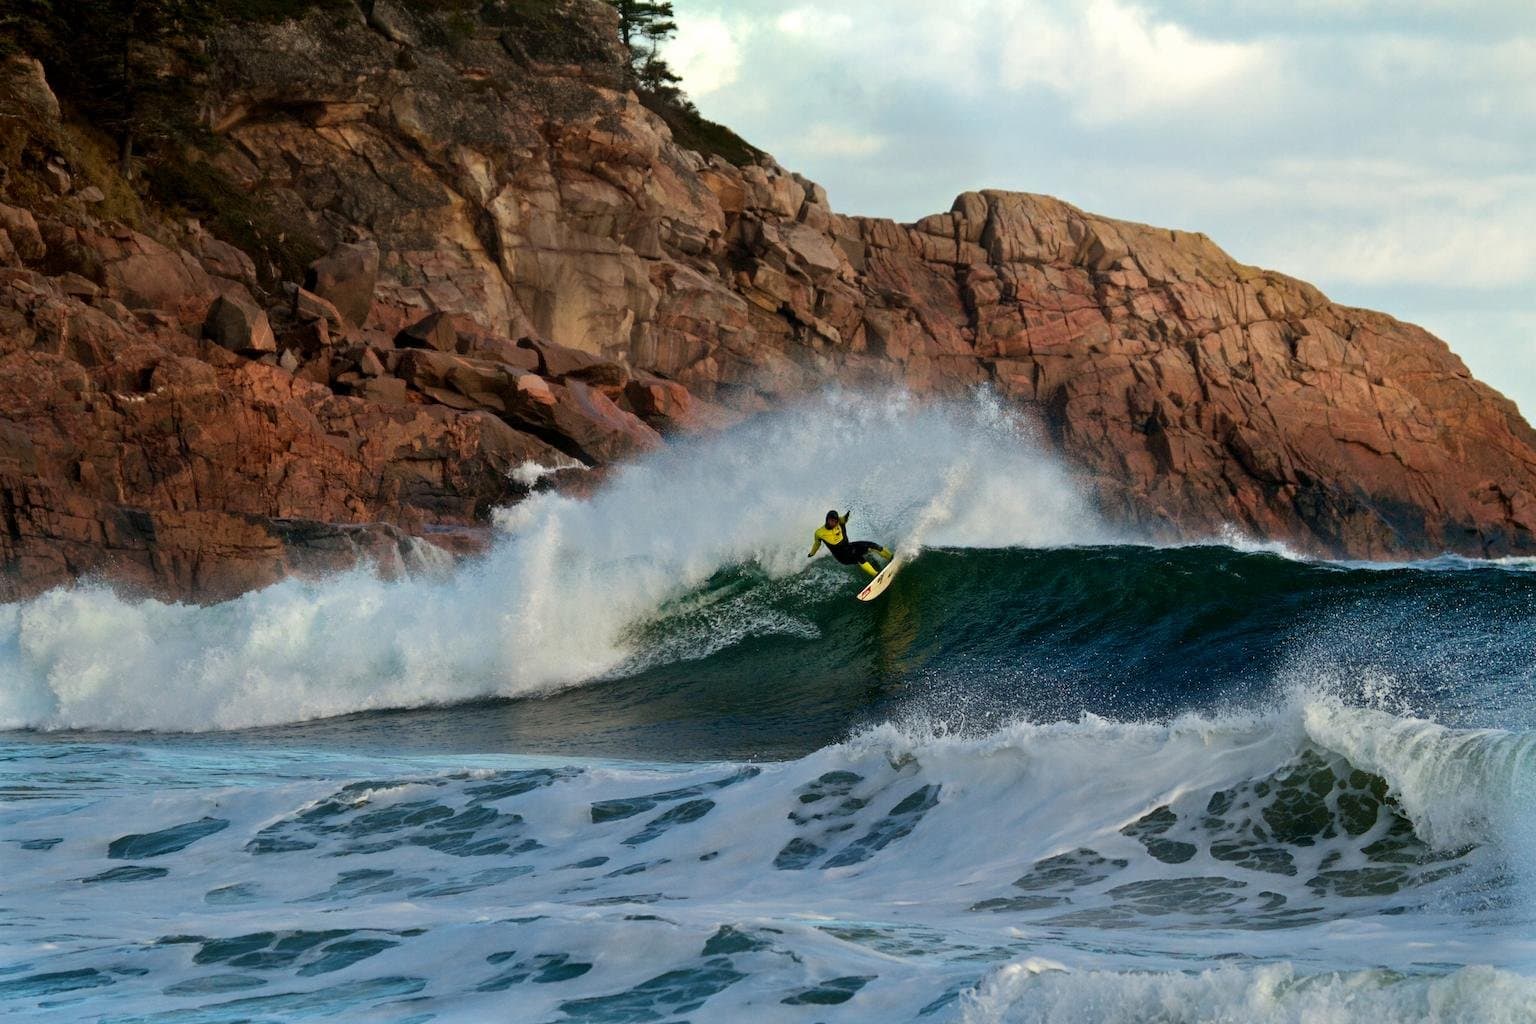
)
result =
(877, 585)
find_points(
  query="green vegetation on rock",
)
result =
(696, 132)
(281, 243)
(643, 27)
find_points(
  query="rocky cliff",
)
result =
(522, 267)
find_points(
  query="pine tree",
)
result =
(136, 66)
(123, 63)
(28, 27)
(644, 26)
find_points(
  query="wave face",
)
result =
(643, 762)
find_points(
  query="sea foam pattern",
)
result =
(1024, 875)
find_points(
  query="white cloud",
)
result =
(899, 40)
(794, 22)
(1348, 187)
(823, 139)
(1352, 8)
(1436, 247)
(1375, 221)
(808, 21)
(1108, 60)
(1114, 61)
(706, 52)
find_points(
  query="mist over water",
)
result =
(644, 762)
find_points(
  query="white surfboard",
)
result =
(877, 585)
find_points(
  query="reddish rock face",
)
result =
(236, 324)
(346, 279)
(597, 429)
(23, 240)
(143, 273)
(435, 331)
(191, 473)
(654, 289)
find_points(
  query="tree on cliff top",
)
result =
(121, 62)
(644, 26)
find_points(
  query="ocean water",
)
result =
(644, 762)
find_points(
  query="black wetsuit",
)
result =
(853, 552)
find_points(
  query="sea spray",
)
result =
(553, 603)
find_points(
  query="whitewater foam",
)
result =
(1024, 993)
(1458, 786)
(1043, 872)
(556, 601)
(529, 472)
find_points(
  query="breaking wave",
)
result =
(1301, 858)
(555, 602)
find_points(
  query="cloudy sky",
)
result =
(1385, 151)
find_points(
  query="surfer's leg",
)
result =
(885, 553)
(865, 550)
(861, 551)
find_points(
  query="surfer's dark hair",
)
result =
(831, 513)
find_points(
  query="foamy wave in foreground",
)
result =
(1071, 871)
(1030, 992)
(551, 604)
(1455, 787)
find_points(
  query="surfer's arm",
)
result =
(815, 544)
(846, 516)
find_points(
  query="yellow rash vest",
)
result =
(835, 538)
(854, 553)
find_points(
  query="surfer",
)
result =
(834, 534)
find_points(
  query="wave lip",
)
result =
(1258, 789)
(1458, 786)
